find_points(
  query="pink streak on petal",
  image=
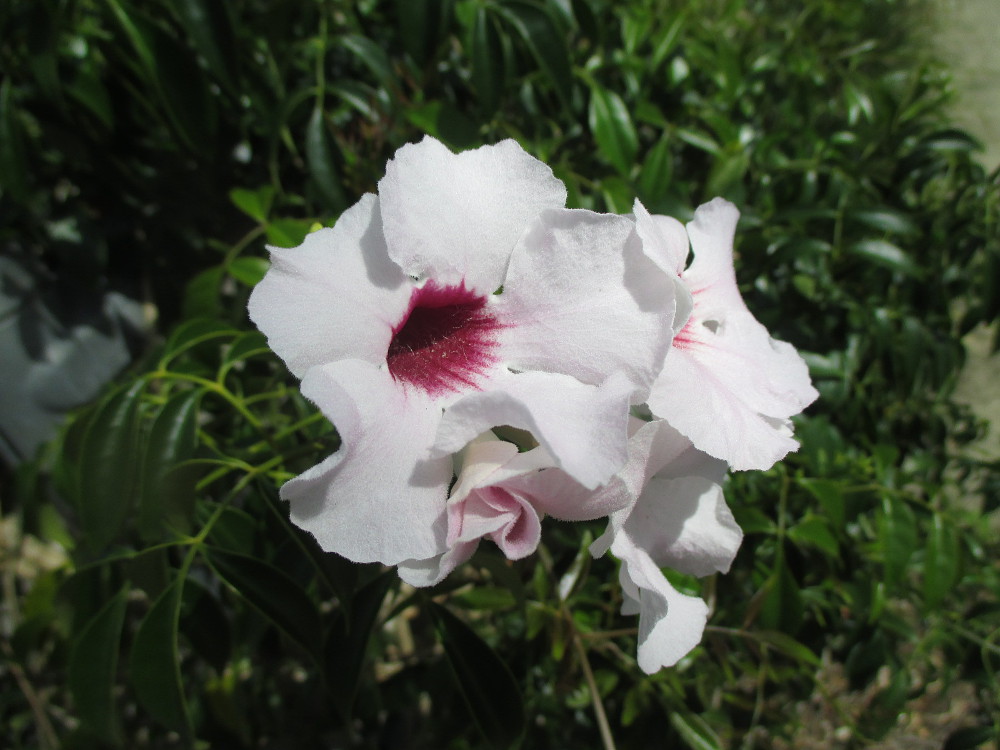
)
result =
(445, 342)
(520, 531)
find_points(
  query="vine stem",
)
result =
(595, 697)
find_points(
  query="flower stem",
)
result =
(595, 697)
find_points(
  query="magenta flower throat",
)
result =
(445, 342)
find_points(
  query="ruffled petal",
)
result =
(582, 427)
(670, 623)
(697, 399)
(336, 296)
(665, 242)
(684, 523)
(432, 571)
(581, 299)
(726, 384)
(664, 239)
(455, 217)
(380, 498)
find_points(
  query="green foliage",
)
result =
(175, 138)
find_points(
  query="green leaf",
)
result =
(254, 203)
(13, 167)
(374, 58)
(347, 642)
(655, 173)
(249, 269)
(897, 536)
(814, 531)
(168, 489)
(887, 255)
(93, 664)
(540, 33)
(321, 160)
(421, 23)
(666, 41)
(246, 345)
(485, 682)
(191, 333)
(782, 607)
(274, 594)
(887, 220)
(695, 731)
(830, 494)
(941, 562)
(201, 295)
(288, 232)
(208, 25)
(109, 461)
(787, 645)
(155, 662)
(488, 62)
(613, 129)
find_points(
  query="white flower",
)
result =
(726, 384)
(504, 494)
(392, 320)
(678, 518)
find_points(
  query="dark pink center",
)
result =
(445, 342)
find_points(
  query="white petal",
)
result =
(380, 497)
(685, 524)
(670, 623)
(664, 239)
(712, 232)
(457, 217)
(701, 402)
(432, 571)
(582, 427)
(336, 296)
(580, 298)
(652, 447)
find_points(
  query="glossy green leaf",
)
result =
(254, 203)
(655, 174)
(787, 645)
(374, 58)
(490, 691)
(248, 269)
(155, 662)
(613, 129)
(887, 220)
(167, 488)
(93, 664)
(109, 467)
(666, 41)
(288, 232)
(321, 160)
(538, 30)
(695, 731)
(887, 255)
(274, 594)
(488, 62)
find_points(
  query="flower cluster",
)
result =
(482, 351)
